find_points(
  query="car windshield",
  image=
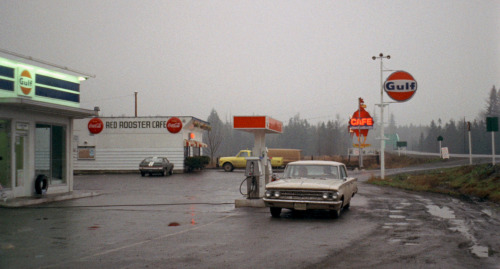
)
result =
(312, 171)
(152, 159)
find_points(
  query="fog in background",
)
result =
(275, 58)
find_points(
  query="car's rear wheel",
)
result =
(228, 167)
(171, 172)
(275, 212)
(142, 174)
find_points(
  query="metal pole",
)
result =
(135, 104)
(470, 148)
(382, 135)
(359, 136)
(440, 151)
(493, 147)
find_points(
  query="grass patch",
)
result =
(481, 181)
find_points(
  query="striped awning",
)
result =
(194, 143)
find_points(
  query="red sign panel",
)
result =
(95, 125)
(253, 123)
(400, 86)
(174, 125)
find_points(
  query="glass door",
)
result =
(20, 163)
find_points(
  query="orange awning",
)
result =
(194, 143)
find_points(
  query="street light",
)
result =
(382, 135)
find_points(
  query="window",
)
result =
(5, 154)
(50, 152)
(343, 172)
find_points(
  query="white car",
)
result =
(311, 185)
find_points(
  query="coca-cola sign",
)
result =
(95, 125)
(174, 125)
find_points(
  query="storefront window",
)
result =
(5, 154)
(50, 152)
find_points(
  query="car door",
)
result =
(348, 184)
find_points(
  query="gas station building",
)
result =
(37, 108)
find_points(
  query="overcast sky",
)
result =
(275, 58)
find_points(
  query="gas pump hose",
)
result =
(252, 189)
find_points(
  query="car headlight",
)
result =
(269, 194)
(272, 194)
(330, 196)
(276, 194)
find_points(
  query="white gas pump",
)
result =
(253, 172)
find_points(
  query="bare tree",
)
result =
(214, 135)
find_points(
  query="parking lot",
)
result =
(190, 221)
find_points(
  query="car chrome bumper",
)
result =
(151, 169)
(302, 204)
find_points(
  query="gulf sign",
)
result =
(400, 86)
(26, 82)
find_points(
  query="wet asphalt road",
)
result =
(189, 221)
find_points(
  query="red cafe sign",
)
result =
(361, 122)
(95, 125)
(174, 125)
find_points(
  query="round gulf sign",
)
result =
(95, 125)
(26, 82)
(174, 125)
(400, 86)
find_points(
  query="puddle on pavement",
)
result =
(480, 251)
(396, 216)
(458, 226)
(442, 212)
(395, 211)
(93, 227)
(487, 212)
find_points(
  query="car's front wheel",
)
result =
(275, 212)
(171, 172)
(336, 213)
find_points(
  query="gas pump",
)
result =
(253, 172)
(258, 169)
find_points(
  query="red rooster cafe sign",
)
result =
(360, 123)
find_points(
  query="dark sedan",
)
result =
(156, 165)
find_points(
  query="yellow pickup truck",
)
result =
(240, 161)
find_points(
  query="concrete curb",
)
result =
(36, 200)
(249, 203)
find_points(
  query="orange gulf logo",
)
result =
(26, 82)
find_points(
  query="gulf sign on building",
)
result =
(400, 86)
(39, 84)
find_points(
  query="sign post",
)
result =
(470, 143)
(400, 86)
(492, 126)
(360, 123)
(440, 139)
